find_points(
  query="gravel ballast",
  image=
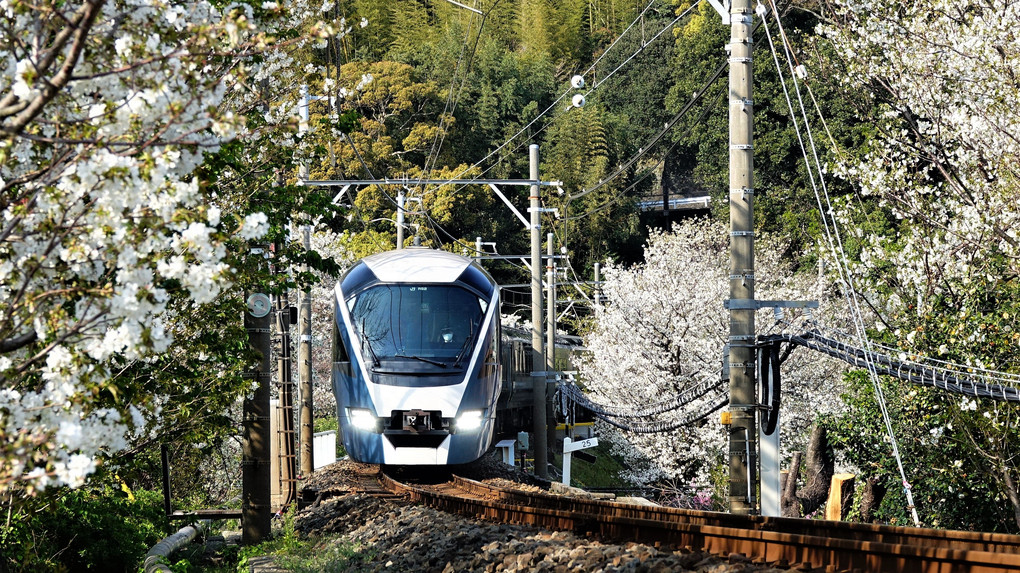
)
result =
(392, 535)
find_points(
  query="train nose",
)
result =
(417, 428)
(418, 421)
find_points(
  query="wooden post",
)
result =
(841, 495)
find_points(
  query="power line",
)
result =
(835, 243)
(939, 378)
(567, 92)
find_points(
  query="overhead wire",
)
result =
(834, 240)
(654, 140)
(628, 421)
(644, 150)
(563, 95)
(885, 364)
(453, 97)
(995, 376)
(672, 403)
(644, 45)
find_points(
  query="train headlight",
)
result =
(362, 419)
(469, 421)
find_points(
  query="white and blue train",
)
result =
(417, 358)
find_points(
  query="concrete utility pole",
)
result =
(400, 219)
(743, 432)
(256, 513)
(550, 326)
(538, 413)
(305, 370)
(550, 320)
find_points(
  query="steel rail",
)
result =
(950, 539)
(838, 546)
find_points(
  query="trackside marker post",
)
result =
(570, 446)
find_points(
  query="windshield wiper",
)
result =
(435, 362)
(463, 349)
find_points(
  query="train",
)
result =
(423, 372)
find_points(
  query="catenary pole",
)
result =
(743, 431)
(550, 315)
(400, 219)
(539, 427)
(550, 322)
(305, 369)
(305, 419)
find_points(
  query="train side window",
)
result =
(339, 350)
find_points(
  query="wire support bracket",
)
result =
(723, 8)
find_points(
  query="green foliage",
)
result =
(104, 526)
(948, 473)
(326, 423)
(784, 198)
(293, 552)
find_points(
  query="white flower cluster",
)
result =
(663, 330)
(99, 210)
(947, 154)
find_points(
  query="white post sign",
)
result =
(572, 446)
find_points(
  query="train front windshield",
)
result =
(431, 324)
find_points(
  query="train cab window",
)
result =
(435, 325)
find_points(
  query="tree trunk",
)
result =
(820, 468)
(1011, 492)
(789, 505)
(871, 498)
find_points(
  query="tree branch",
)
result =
(12, 344)
(80, 28)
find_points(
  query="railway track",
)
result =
(785, 542)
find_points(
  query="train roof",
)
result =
(417, 265)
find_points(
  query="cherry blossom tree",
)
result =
(936, 218)
(107, 108)
(662, 331)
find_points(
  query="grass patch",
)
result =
(605, 472)
(289, 551)
(327, 423)
(327, 555)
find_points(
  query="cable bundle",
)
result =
(617, 416)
